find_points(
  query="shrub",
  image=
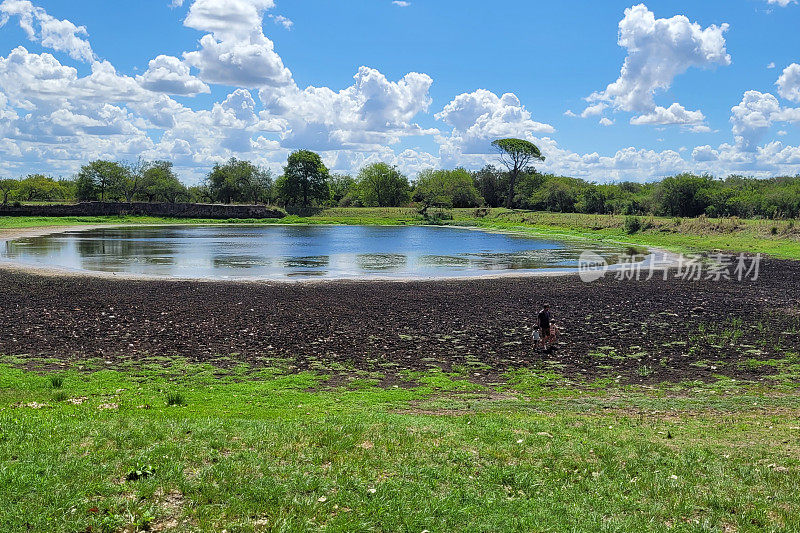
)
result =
(60, 396)
(175, 398)
(632, 225)
(56, 381)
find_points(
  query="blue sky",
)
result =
(609, 90)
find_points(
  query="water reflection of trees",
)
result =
(117, 249)
(240, 261)
(381, 261)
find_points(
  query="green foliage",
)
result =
(492, 185)
(446, 188)
(100, 179)
(140, 472)
(304, 180)
(161, 184)
(517, 155)
(684, 195)
(343, 191)
(519, 151)
(175, 399)
(632, 224)
(592, 199)
(37, 187)
(380, 185)
(239, 181)
(7, 186)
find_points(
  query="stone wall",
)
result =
(89, 209)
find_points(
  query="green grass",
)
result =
(776, 238)
(263, 450)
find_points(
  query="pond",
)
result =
(281, 252)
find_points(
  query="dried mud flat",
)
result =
(636, 331)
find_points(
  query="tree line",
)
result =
(306, 181)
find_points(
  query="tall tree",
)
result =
(239, 181)
(305, 178)
(99, 177)
(131, 180)
(161, 183)
(383, 186)
(517, 155)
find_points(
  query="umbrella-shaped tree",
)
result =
(516, 155)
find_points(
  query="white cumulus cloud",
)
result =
(479, 117)
(674, 114)
(789, 83)
(752, 118)
(56, 34)
(170, 75)
(658, 51)
(235, 51)
(370, 112)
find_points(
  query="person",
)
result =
(545, 319)
(537, 337)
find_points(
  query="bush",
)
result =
(632, 225)
(175, 398)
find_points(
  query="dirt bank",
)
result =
(644, 331)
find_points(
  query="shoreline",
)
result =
(663, 260)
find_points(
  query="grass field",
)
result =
(91, 448)
(778, 238)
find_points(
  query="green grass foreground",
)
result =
(87, 448)
(778, 238)
(166, 445)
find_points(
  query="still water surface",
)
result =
(294, 251)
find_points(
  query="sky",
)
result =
(608, 90)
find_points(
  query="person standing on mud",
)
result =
(545, 319)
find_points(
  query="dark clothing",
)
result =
(544, 319)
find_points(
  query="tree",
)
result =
(98, 177)
(239, 181)
(684, 195)
(6, 186)
(305, 179)
(130, 181)
(39, 187)
(200, 194)
(342, 190)
(517, 155)
(491, 183)
(85, 188)
(161, 183)
(261, 187)
(446, 188)
(592, 200)
(383, 186)
(558, 195)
